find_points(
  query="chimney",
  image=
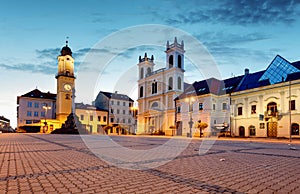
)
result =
(246, 71)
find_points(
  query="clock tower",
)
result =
(65, 83)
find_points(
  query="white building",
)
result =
(266, 103)
(120, 112)
(34, 108)
(158, 89)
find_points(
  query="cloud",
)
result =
(223, 38)
(44, 68)
(237, 12)
(50, 53)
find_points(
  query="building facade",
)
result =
(259, 104)
(206, 101)
(158, 89)
(93, 120)
(34, 109)
(120, 112)
(5, 125)
(266, 103)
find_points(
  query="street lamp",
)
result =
(46, 110)
(190, 101)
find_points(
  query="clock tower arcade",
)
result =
(65, 84)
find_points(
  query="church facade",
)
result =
(158, 89)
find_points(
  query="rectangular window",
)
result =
(91, 118)
(28, 121)
(292, 105)
(124, 112)
(99, 118)
(224, 106)
(123, 120)
(240, 110)
(111, 120)
(104, 119)
(112, 102)
(43, 114)
(253, 109)
(118, 120)
(178, 109)
(36, 114)
(129, 120)
(36, 105)
(129, 112)
(118, 111)
(200, 106)
(124, 103)
(29, 104)
(214, 106)
(112, 111)
(29, 113)
(118, 103)
(82, 117)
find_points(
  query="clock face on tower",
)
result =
(67, 87)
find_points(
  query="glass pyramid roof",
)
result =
(278, 70)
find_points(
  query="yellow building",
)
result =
(65, 84)
(93, 120)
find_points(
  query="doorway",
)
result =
(242, 131)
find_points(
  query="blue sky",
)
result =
(238, 34)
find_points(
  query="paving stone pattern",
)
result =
(39, 163)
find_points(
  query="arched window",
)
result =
(171, 83)
(295, 129)
(171, 61)
(179, 83)
(148, 71)
(252, 130)
(142, 73)
(154, 87)
(154, 105)
(141, 91)
(179, 61)
(272, 109)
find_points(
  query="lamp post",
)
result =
(190, 111)
(46, 110)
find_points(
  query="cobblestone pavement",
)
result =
(39, 163)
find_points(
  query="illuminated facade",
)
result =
(65, 84)
(34, 109)
(158, 89)
(259, 104)
(266, 103)
(93, 120)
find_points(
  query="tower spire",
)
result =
(67, 40)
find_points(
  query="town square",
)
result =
(150, 96)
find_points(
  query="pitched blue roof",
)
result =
(251, 81)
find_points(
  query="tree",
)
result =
(201, 126)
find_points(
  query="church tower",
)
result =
(65, 83)
(174, 66)
(157, 90)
